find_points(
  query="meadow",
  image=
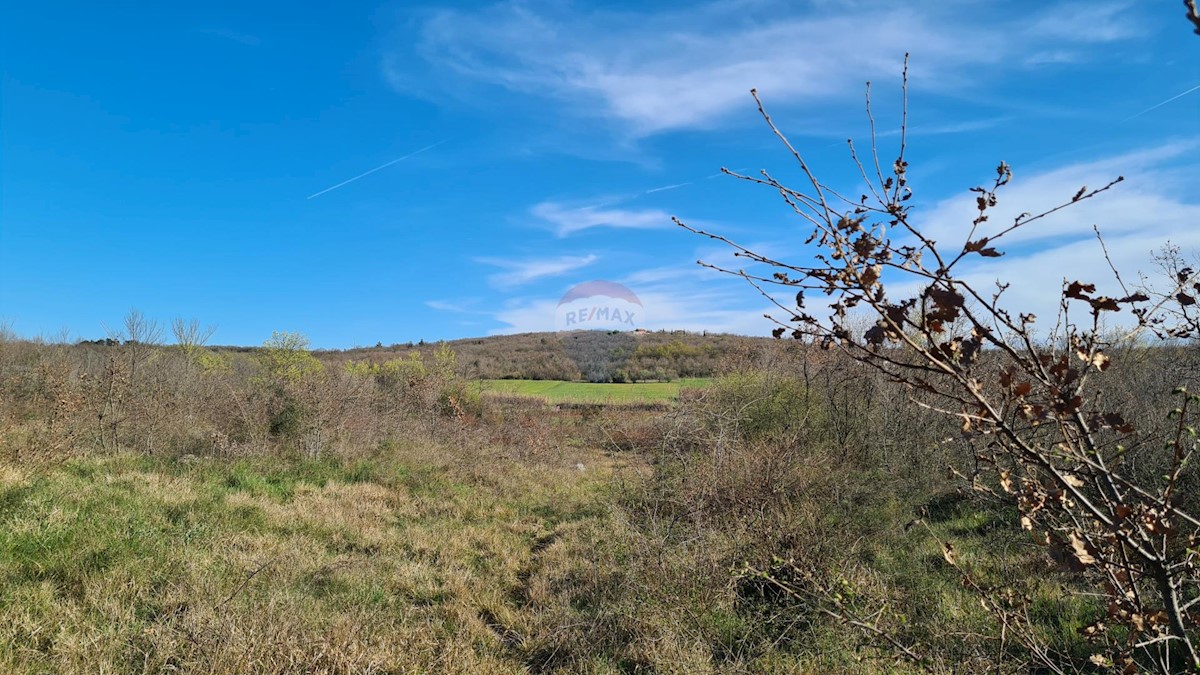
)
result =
(557, 391)
(400, 562)
(419, 558)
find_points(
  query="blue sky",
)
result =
(166, 157)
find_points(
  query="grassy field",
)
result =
(557, 391)
(491, 536)
(407, 562)
(416, 560)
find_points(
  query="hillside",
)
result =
(662, 355)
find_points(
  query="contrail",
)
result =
(666, 187)
(685, 184)
(368, 173)
(1159, 105)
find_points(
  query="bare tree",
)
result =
(1105, 502)
(114, 394)
(138, 329)
(188, 333)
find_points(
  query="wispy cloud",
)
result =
(676, 295)
(1152, 206)
(459, 307)
(570, 217)
(962, 127)
(567, 219)
(717, 307)
(656, 71)
(378, 168)
(521, 272)
(1153, 198)
(1085, 21)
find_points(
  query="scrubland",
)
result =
(183, 509)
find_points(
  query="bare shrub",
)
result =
(1105, 502)
(129, 393)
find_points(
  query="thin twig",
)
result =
(245, 581)
(1108, 259)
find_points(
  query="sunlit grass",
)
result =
(422, 558)
(558, 391)
(407, 562)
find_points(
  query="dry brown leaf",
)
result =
(1079, 549)
(1006, 481)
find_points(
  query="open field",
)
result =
(404, 562)
(417, 559)
(271, 512)
(542, 337)
(557, 391)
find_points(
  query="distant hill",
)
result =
(619, 357)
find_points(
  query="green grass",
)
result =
(414, 560)
(558, 391)
(429, 558)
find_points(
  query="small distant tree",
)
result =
(1111, 505)
(189, 335)
(449, 394)
(125, 396)
(285, 357)
(139, 335)
(292, 379)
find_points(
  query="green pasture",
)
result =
(558, 391)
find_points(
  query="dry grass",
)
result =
(411, 561)
(231, 523)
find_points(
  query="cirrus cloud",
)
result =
(660, 70)
(521, 272)
(567, 219)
